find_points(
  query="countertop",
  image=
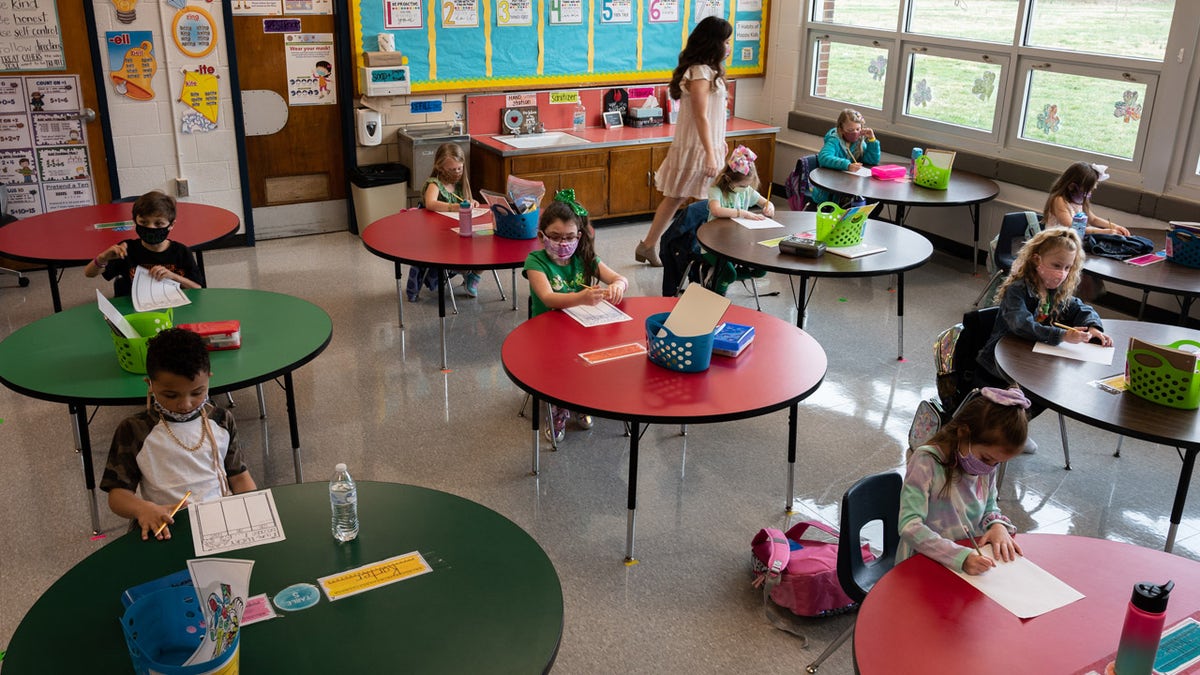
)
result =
(599, 137)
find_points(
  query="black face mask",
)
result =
(152, 235)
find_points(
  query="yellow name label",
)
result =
(372, 576)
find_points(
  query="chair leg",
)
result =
(229, 399)
(496, 273)
(1120, 440)
(1000, 475)
(1062, 430)
(524, 404)
(991, 282)
(833, 647)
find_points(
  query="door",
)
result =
(302, 162)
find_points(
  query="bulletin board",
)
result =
(469, 45)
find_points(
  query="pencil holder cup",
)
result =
(131, 352)
(681, 354)
(827, 217)
(1151, 377)
(516, 225)
(164, 628)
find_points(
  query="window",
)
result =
(1133, 28)
(990, 21)
(865, 13)
(1093, 114)
(953, 91)
(849, 73)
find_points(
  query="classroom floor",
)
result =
(378, 400)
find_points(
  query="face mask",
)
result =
(1050, 277)
(178, 416)
(972, 465)
(741, 188)
(152, 235)
(560, 250)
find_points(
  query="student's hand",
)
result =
(867, 133)
(616, 290)
(1117, 229)
(1004, 547)
(854, 166)
(976, 564)
(1094, 334)
(160, 273)
(750, 215)
(593, 296)
(112, 253)
(474, 204)
(1076, 336)
(769, 209)
(150, 516)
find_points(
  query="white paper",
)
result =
(1084, 351)
(765, 224)
(150, 294)
(856, 251)
(222, 586)
(597, 315)
(1022, 587)
(238, 521)
(114, 317)
(698, 312)
(860, 171)
(475, 213)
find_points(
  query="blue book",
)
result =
(132, 595)
(730, 339)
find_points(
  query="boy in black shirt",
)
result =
(153, 216)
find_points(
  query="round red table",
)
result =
(425, 239)
(69, 237)
(782, 367)
(921, 618)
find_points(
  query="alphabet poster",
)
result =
(44, 161)
(30, 38)
(131, 63)
(310, 68)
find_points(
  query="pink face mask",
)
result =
(560, 250)
(1052, 278)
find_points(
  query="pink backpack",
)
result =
(801, 574)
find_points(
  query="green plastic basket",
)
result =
(835, 234)
(931, 176)
(1151, 377)
(131, 352)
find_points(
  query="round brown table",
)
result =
(921, 618)
(69, 237)
(1161, 277)
(965, 189)
(1062, 385)
(906, 250)
(542, 357)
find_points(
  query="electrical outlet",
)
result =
(181, 187)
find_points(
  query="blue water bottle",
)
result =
(1079, 223)
(912, 165)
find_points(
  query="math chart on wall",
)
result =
(468, 45)
(43, 145)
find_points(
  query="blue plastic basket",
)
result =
(681, 354)
(164, 628)
(1183, 248)
(516, 225)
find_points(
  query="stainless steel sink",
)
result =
(549, 139)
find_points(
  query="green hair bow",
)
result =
(567, 196)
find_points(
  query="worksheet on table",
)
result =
(237, 521)
(1021, 587)
(1083, 351)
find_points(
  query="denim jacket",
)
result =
(1018, 316)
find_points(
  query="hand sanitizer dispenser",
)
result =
(368, 126)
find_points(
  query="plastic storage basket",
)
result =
(682, 354)
(838, 233)
(516, 225)
(131, 352)
(1183, 248)
(1154, 379)
(165, 627)
(930, 175)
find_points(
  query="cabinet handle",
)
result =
(649, 178)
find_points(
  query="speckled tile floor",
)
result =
(377, 400)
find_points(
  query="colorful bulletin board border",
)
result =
(494, 52)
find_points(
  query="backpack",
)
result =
(800, 574)
(797, 187)
(931, 413)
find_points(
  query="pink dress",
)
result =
(682, 172)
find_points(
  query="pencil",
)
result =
(769, 186)
(174, 511)
(1064, 327)
(973, 542)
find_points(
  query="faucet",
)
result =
(540, 128)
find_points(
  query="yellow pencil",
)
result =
(1064, 327)
(174, 511)
(769, 186)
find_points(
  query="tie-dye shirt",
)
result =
(930, 522)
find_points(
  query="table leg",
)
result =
(74, 426)
(793, 413)
(634, 434)
(293, 426)
(443, 279)
(1185, 308)
(54, 297)
(900, 316)
(801, 303)
(1062, 431)
(400, 293)
(200, 268)
(89, 475)
(974, 208)
(514, 288)
(900, 213)
(262, 401)
(1185, 478)
(536, 441)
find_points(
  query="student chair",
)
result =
(684, 261)
(797, 186)
(871, 499)
(5, 219)
(1016, 226)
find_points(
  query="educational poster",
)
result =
(195, 32)
(200, 93)
(30, 37)
(707, 8)
(402, 14)
(53, 94)
(44, 164)
(68, 194)
(664, 11)
(18, 167)
(23, 200)
(57, 129)
(460, 14)
(12, 95)
(131, 63)
(14, 131)
(514, 13)
(616, 11)
(745, 32)
(566, 12)
(62, 164)
(257, 7)
(749, 5)
(308, 6)
(310, 68)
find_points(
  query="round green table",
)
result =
(492, 603)
(69, 357)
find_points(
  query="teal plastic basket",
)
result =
(516, 225)
(164, 628)
(691, 354)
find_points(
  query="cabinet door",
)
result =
(658, 154)
(631, 180)
(550, 180)
(591, 189)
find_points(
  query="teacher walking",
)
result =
(698, 149)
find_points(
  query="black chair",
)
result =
(798, 187)
(874, 498)
(1016, 226)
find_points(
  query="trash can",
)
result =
(378, 190)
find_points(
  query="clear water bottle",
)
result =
(464, 219)
(1079, 223)
(343, 502)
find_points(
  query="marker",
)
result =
(174, 511)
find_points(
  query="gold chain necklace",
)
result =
(204, 432)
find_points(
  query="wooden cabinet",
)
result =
(631, 180)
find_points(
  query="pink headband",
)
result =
(742, 160)
(1006, 397)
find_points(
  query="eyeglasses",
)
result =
(561, 239)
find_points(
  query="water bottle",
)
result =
(1079, 223)
(343, 501)
(912, 164)
(464, 219)
(1143, 628)
(579, 118)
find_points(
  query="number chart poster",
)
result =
(468, 45)
(44, 161)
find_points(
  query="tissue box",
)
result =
(382, 59)
(218, 335)
(732, 339)
(887, 171)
